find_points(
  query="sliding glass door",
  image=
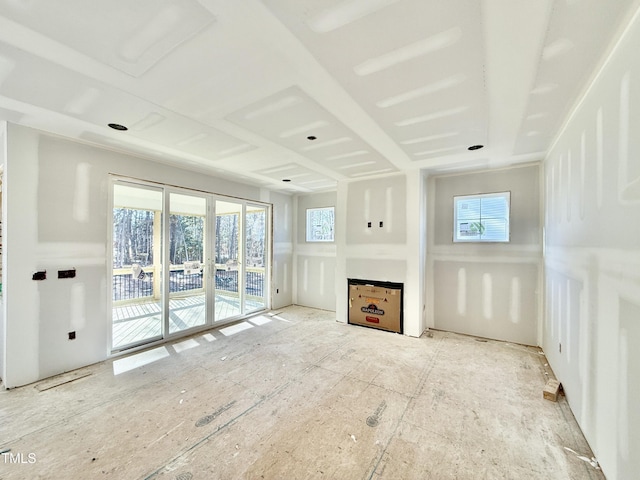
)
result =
(229, 259)
(187, 250)
(240, 258)
(255, 294)
(183, 260)
(137, 315)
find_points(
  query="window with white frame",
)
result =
(481, 218)
(320, 223)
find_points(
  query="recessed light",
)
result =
(312, 137)
(475, 147)
(286, 180)
(117, 126)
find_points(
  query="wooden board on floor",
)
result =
(551, 390)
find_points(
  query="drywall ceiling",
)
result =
(236, 89)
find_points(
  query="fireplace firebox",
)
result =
(376, 304)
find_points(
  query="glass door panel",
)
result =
(183, 260)
(256, 258)
(228, 259)
(137, 265)
(187, 277)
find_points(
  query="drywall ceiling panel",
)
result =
(53, 87)
(292, 119)
(301, 178)
(417, 81)
(176, 132)
(131, 40)
(420, 76)
(579, 34)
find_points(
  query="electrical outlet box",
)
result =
(67, 273)
(39, 276)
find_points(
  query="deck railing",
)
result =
(254, 281)
(125, 287)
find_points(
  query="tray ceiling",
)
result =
(237, 88)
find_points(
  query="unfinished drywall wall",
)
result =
(592, 260)
(315, 262)
(379, 238)
(376, 210)
(489, 290)
(57, 194)
(3, 156)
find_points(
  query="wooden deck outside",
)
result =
(134, 323)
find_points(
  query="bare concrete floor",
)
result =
(297, 395)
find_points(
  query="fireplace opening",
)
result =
(375, 304)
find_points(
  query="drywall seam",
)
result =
(598, 72)
(294, 261)
(486, 259)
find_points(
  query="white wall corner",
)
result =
(294, 241)
(21, 295)
(414, 298)
(341, 257)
